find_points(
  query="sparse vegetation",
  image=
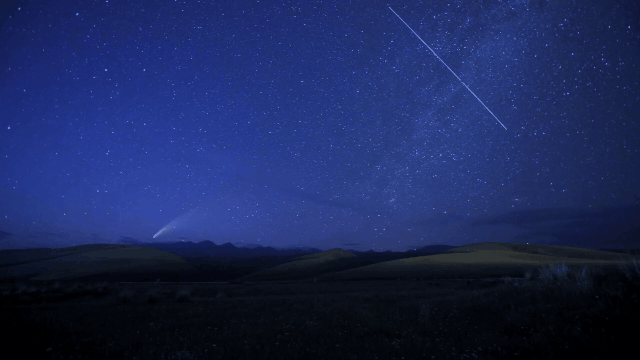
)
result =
(125, 296)
(554, 272)
(184, 295)
(554, 312)
(631, 272)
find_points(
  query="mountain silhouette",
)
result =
(208, 248)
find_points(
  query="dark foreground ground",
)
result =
(558, 313)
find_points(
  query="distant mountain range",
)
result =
(208, 248)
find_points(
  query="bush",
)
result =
(528, 275)
(630, 272)
(26, 289)
(554, 272)
(558, 273)
(125, 296)
(100, 288)
(184, 295)
(583, 278)
(510, 280)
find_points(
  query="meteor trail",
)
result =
(445, 64)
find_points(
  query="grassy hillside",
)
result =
(305, 266)
(113, 262)
(552, 251)
(482, 260)
(134, 263)
(23, 256)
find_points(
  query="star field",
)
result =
(314, 123)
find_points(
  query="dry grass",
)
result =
(184, 295)
(125, 296)
(630, 272)
(554, 312)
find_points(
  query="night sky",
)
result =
(319, 123)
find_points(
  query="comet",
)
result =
(191, 218)
(165, 229)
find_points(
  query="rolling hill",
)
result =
(147, 263)
(481, 261)
(306, 266)
(96, 261)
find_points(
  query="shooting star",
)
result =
(445, 64)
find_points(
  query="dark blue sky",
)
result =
(316, 123)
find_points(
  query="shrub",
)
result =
(528, 275)
(554, 272)
(510, 280)
(125, 296)
(73, 288)
(184, 295)
(629, 273)
(583, 279)
(100, 289)
(26, 289)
